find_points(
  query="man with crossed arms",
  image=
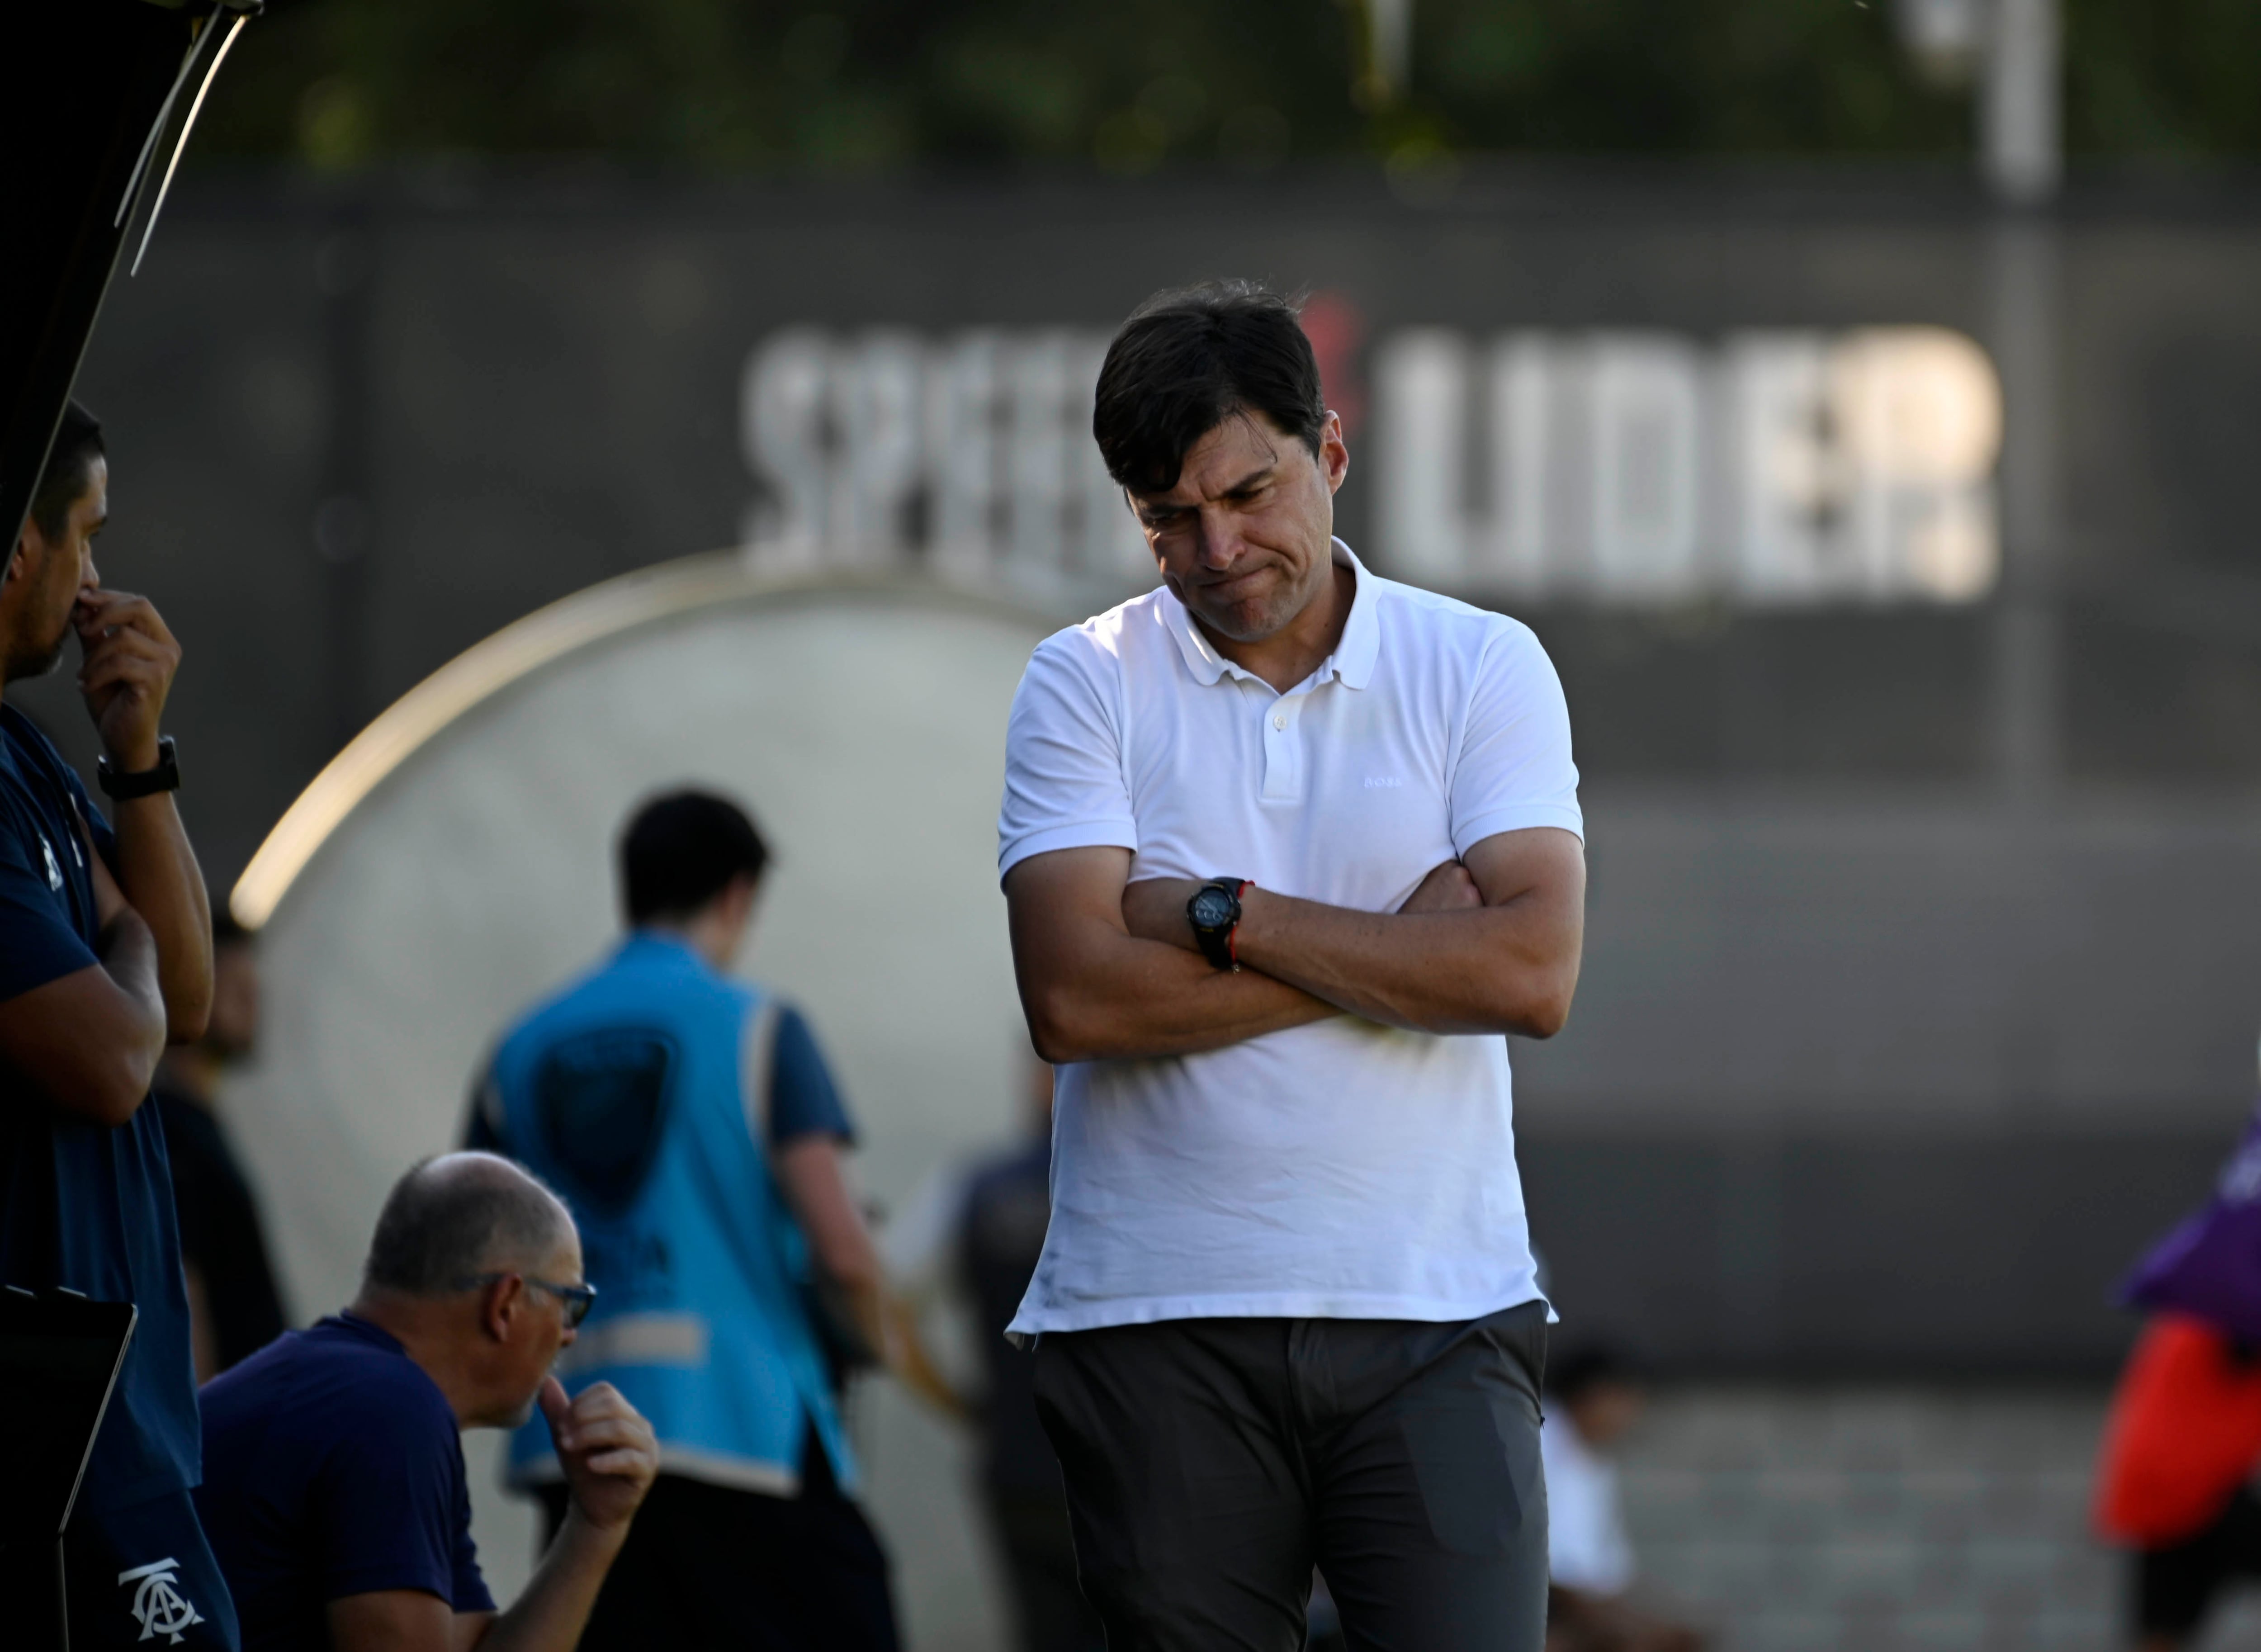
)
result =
(1286, 848)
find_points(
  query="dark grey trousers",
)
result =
(1211, 1463)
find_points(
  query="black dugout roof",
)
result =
(83, 129)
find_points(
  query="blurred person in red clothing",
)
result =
(2182, 1439)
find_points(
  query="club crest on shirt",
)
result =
(159, 1606)
(55, 868)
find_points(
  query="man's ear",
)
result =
(500, 1303)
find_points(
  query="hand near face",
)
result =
(609, 1451)
(130, 660)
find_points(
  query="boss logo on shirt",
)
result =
(1383, 783)
(158, 1606)
(55, 871)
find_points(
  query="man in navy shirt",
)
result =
(105, 955)
(333, 1488)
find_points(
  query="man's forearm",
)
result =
(130, 958)
(1490, 969)
(554, 1608)
(158, 873)
(1143, 999)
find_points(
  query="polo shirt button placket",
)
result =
(1283, 751)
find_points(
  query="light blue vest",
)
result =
(640, 1095)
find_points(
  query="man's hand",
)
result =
(1450, 887)
(608, 1450)
(130, 658)
(1507, 962)
(610, 1457)
(1095, 985)
(1496, 949)
(1154, 908)
(127, 673)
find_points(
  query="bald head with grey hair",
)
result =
(459, 1215)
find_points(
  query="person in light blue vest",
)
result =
(689, 1121)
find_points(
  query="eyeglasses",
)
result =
(575, 1300)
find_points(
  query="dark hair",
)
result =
(71, 467)
(1583, 1366)
(1188, 360)
(455, 1216)
(681, 850)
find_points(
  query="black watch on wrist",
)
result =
(166, 777)
(1214, 913)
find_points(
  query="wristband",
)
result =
(166, 777)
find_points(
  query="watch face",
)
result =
(1212, 907)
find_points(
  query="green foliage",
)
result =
(2169, 78)
(1704, 77)
(849, 86)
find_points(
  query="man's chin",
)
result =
(25, 666)
(1250, 621)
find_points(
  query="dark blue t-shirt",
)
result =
(803, 1099)
(333, 1466)
(82, 1205)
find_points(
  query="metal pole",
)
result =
(2021, 139)
(1388, 50)
(2023, 158)
(2022, 256)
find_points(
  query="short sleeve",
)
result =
(38, 943)
(395, 1507)
(1064, 781)
(1514, 769)
(803, 1099)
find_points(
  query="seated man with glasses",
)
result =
(334, 1490)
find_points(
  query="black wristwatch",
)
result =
(1214, 913)
(166, 777)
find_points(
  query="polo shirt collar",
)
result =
(1353, 660)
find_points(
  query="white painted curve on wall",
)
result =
(864, 727)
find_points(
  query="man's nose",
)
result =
(1219, 543)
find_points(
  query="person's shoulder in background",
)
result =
(804, 1099)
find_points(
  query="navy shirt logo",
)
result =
(159, 1606)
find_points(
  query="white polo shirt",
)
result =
(1342, 1169)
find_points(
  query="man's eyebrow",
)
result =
(1159, 507)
